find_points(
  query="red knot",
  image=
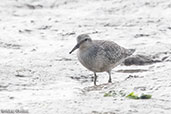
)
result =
(100, 55)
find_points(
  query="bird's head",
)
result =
(83, 40)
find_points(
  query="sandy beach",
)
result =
(39, 76)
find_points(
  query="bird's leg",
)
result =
(95, 78)
(110, 79)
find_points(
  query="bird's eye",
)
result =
(86, 39)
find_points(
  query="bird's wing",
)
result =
(111, 51)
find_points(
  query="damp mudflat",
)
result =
(39, 76)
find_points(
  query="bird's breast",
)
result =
(89, 59)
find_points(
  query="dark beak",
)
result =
(76, 47)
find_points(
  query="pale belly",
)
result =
(93, 64)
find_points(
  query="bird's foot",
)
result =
(109, 81)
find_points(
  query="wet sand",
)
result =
(39, 75)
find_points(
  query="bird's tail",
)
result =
(131, 51)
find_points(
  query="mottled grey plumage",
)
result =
(100, 55)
